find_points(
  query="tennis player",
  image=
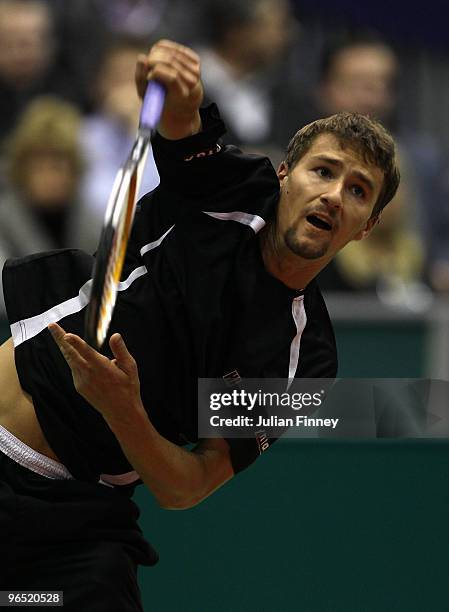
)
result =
(218, 282)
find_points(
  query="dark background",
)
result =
(409, 23)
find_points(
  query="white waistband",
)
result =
(27, 457)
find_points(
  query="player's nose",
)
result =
(333, 196)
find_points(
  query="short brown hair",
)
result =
(366, 136)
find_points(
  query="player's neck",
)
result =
(293, 271)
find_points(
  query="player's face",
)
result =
(326, 199)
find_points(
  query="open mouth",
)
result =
(319, 223)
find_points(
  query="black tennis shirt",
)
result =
(195, 301)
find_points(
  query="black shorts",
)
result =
(72, 536)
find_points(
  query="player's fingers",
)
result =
(69, 352)
(185, 69)
(180, 58)
(172, 58)
(190, 75)
(124, 360)
(171, 78)
(56, 331)
(83, 349)
(181, 80)
(188, 54)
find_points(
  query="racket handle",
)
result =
(152, 105)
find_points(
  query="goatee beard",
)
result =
(307, 249)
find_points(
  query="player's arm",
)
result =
(178, 478)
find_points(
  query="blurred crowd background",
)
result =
(68, 111)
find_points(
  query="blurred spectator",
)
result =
(140, 18)
(86, 27)
(106, 135)
(40, 210)
(27, 52)
(359, 74)
(242, 68)
(437, 222)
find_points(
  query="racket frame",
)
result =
(117, 226)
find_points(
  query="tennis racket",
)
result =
(118, 222)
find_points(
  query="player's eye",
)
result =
(323, 172)
(358, 191)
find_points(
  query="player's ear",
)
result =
(366, 231)
(282, 171)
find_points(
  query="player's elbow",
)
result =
(183, 499)
(190, 498)
(209, 468)
(184, 493)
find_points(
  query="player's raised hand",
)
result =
(109, 385)
(178, 68)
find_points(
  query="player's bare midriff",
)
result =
(17, 412)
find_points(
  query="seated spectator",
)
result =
(27, 59)
(436, 222)
(245, 48)
(40, 210)
(107, 134)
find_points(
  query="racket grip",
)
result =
(152, 105)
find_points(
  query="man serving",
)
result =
(218, 282)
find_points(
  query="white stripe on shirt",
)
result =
(255, 222)
(300, 319)
(152, 245)
(28, 328)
